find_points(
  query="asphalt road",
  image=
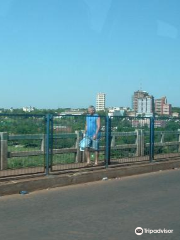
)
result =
(105, 210)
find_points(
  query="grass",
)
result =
(25, 162)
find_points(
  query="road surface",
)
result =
(104, 210)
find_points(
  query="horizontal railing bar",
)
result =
(124, 146)
(25, 153)
(175, 143)
(65, 135)
(26, 137)
(116, 134)
(22, 115)
(37, 153)
(163, 132)
(74, 135)
(74, 150)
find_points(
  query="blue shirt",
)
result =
(91, 122)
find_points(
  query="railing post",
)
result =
(42, 143)
(51, 140)
(3, 150)
(108, 141)
(138, 143)
(162, 137)
(48, 118)
(113, 141)
(78, 153)
(179, 140)
(142, 142)
(151, 155)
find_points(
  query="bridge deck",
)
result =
(80, 166)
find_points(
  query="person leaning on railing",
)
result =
(92, 131)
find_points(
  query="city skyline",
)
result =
(58, 54)
(105, 105)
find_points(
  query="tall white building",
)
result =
(138, 94)
(146, 106)
(100, 101)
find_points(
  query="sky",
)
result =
(61, 53)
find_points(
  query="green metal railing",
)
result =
(31, 144)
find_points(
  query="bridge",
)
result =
(125, 147)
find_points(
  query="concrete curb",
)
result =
(52, 181)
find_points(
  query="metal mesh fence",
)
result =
(22, 144)
(166, 138)
(129, 139)
(68, 131)
(26, 141)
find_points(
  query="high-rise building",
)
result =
(146, 106)
(162, 107)
(159, 105)
(167, 109)
(100, 101)
(138, 94)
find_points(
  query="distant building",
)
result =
(28, 109)
(175, 114)
(73, 112)
(167, 109)
(130, 113)
(138, 94)
(159, 123)
(145, 106)
(159, 105)
(141, 123)
(146, 122)
(162, 107)
(116, 111)
(100, 102)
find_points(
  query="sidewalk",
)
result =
(14, 186)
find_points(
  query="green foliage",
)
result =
(26, 162)
(22, 125)
(37, 125)
(172, 125)
(102, 113)
(176, 109)
(121, 125)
